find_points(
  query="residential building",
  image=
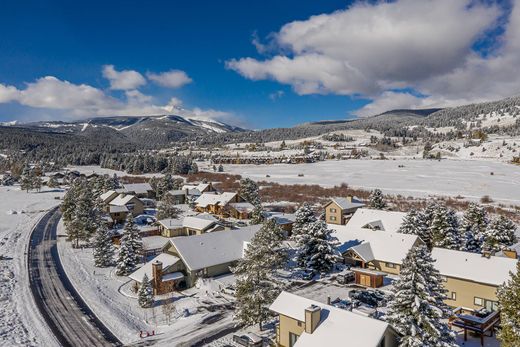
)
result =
(179, 196)
(141, 190)
(220, 204)
(308, 323)
(472, 279)
(367, 218)
(165, 273)
(191, 225)
(123, 204)
(197, 190)
(108, 196)
(339, 210)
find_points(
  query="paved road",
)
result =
(70, 319)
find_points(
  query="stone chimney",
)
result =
(157, 276)
(312, 318)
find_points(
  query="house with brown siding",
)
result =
(222, 205)
(308, 323)
(339, 210)
(123, 204)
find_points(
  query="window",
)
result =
(300, 323)
(478, 301)
(332, 210)
(292, 339)
(453, 296)
(390, 265)
(332, 218)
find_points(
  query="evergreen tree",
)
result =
(509, 298)
(499, 234)
(445, 229)
(26, 182)
(304, 216)
(167, 208)
(127, 258)
(53, 182)
(415, 223)
(317, 248)
(133, 234)
(103, 247)
(377, 200)
(220, 168)
(145, 294)
(474, 224)
(417, 308)
(249, 191)
(36, 182)
(257, 215)
(257, 284)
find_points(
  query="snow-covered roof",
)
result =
(282, 218)
(378, 219)
(138, 188)
(347, 204)
(166, 260)
(171, 223)
(117, 209)
(514, 247)
(154, 242)
(364, 250)
(122, 199)
(195, 189)
(199, 222)
(336, 325)
(107, 195)
(473, 266)
(242, 206)
(207, 199)
(177, 192)
(201, 251)
(385, 246)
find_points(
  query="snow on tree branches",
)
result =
(304, 216)
(317, 248)
(130, 247)
(103, 247)
(509, 297)
(145, 293)
(377, 200)
(249, 191)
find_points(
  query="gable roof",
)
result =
(117, 209)
(385, 246)
(166, 260)
(138, 188)
(364, 251)
(347, 204)
(199, 222)
(122, 199)
(207, 199)
(242, 206)
(201, 251)
(385, 220)
(473, 266)
(336, 325)
(107, 195)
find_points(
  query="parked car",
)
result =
(346, 277)
(248, 340)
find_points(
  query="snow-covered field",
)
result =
(20, 321)
(111, 299)
(90, 169)
(420, 178)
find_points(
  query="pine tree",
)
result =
(499, 234)
(417, 308)
(103, 247)
(167, 208)
(145, 294)
(474, 224)
(445, 229)
(257, 215)
(317, 248)
(36, 182)
(509, 298)
(304, 216)
(257, 284)
(53, 182)
(249, 191)
(130, 247)
(414, 223)
(377, 200)
(26, 182)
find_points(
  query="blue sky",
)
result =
(326, 67)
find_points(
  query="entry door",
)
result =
(364, 280)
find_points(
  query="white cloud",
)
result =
(276, 95)
(170, 79)
(123, 80)
(371, 49)
(8, 93)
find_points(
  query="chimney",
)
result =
(349, 198)
(157, 275)
(510, 253)
(312, 318)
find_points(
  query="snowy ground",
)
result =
(110, 297)
(20, 321)
(420, 178)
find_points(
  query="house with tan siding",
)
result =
(339, 210)
(123, 204)
(190, 225)
(227, 204)
(472, 279)
(308, 323)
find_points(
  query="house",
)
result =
(179, 196)
(141, 190)
(209, 254)
(512, 251)
(191, 225)
(284, 220)
(124, 204)
(240, 210)
(164, 272)
(308, 323)
(197, 190)
(472, 279)
(339, 210)
(218, 204)
(367, 218)
(153, 245)
(108, 196)
(373, 249)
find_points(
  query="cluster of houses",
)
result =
(200, 245)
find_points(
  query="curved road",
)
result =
(70, 319)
